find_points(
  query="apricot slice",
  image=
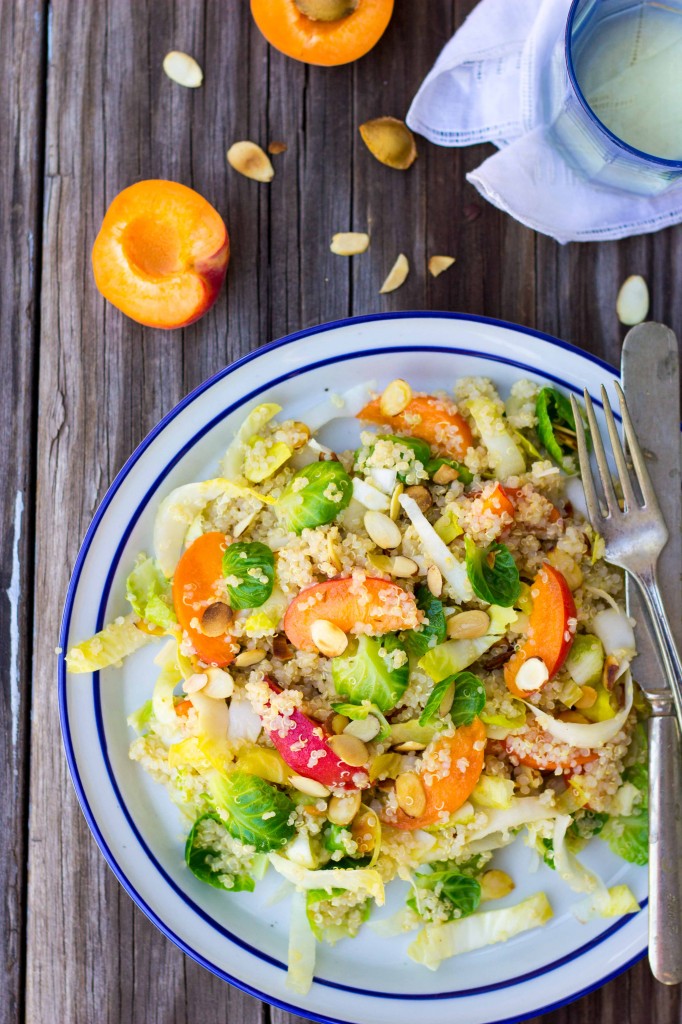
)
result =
(326, 32)
(161, 254)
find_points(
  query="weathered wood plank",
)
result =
(22, 53)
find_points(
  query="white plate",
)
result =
(240, 936)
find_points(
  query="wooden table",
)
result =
(87, 111)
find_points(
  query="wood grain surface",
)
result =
(86, 111)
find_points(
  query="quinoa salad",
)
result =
(390, 662)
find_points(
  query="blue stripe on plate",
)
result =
(100, 621)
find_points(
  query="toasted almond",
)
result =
(420, 494)
(195, 682)
(349, 243)
(495, 884)
(250, 160)
(573, 716)
(567, 566)
(395, 397)
(410, 794)
(587, 698)
(328, 638)
(434, 580)
(248, 658)
(402, 567)
(468, 625)
(349, 749)
(281, 648)
(220, 684)
(365, 830)
(216, 619)
(409, 746)
(609, 672)
(532, 675)
(394, 510)
(445, 475)
(308, 786)
(339, 723)
(326, 10)
(342, 809)
(364, 728)
(447, 701)
(437, 264)
(382, 530)
(397, 275)
(275, 148)
(244, 524)
(183, 69)
(390, 141)
(632, 304)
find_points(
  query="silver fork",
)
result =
(634, 537)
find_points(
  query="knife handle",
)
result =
(665, 849)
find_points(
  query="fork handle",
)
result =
(670, 658)
(665, 849)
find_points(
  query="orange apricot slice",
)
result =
(325, 32)
(431, 419)
(161, 254)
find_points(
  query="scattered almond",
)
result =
(248, 658)
(308, 786)
(349, 749)
(220, 684)
(339, 723)
(401, 566)
(410, 794)
(390, 141)
(445, 475)
(382, 530)
(195, 682)
(632, 304)
(342, 809)
(395, 398)
(250, 160)
(409, 747)
(610, 672)
(434, 580)
(328, 638)
(532, 675)
(447, 701)
(216, 619)
(422, 496)
(397, 275)
(394, 510)
(364, 728)
(275, 148)
(183, 69)
(587, 698)
(468, 625)
(437, 264)
(349, 243)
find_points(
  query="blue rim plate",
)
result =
(243, 937)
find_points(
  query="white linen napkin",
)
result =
(495, 81)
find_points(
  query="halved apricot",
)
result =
(161, 254)
(326, 32)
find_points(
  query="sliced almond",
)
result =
(395, 398)
(183, 69)
(394, 509)
(250, 160)
(409, 747)
(468, 625)
(339, 723)
(243, 524)
(495, 885)
(447, 700)
(326, 10)
(349, 243)
(216, 619)
(610, 672)
(445, 475)
(382, 530)
(434, 580)
(410, 794)
(420, 494)
(390, 141)
(308, 786)
(248, 658)
(342, 809)
(587, 698)
(364, 728)
(349, 749)
(401, 567)
(532, 675)
(275, 148)
(328, 638)
(195, 682)
(632, 304)
(397, 275)
(220, 684)
(437, 264)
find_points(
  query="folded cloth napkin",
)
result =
(498, 80)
